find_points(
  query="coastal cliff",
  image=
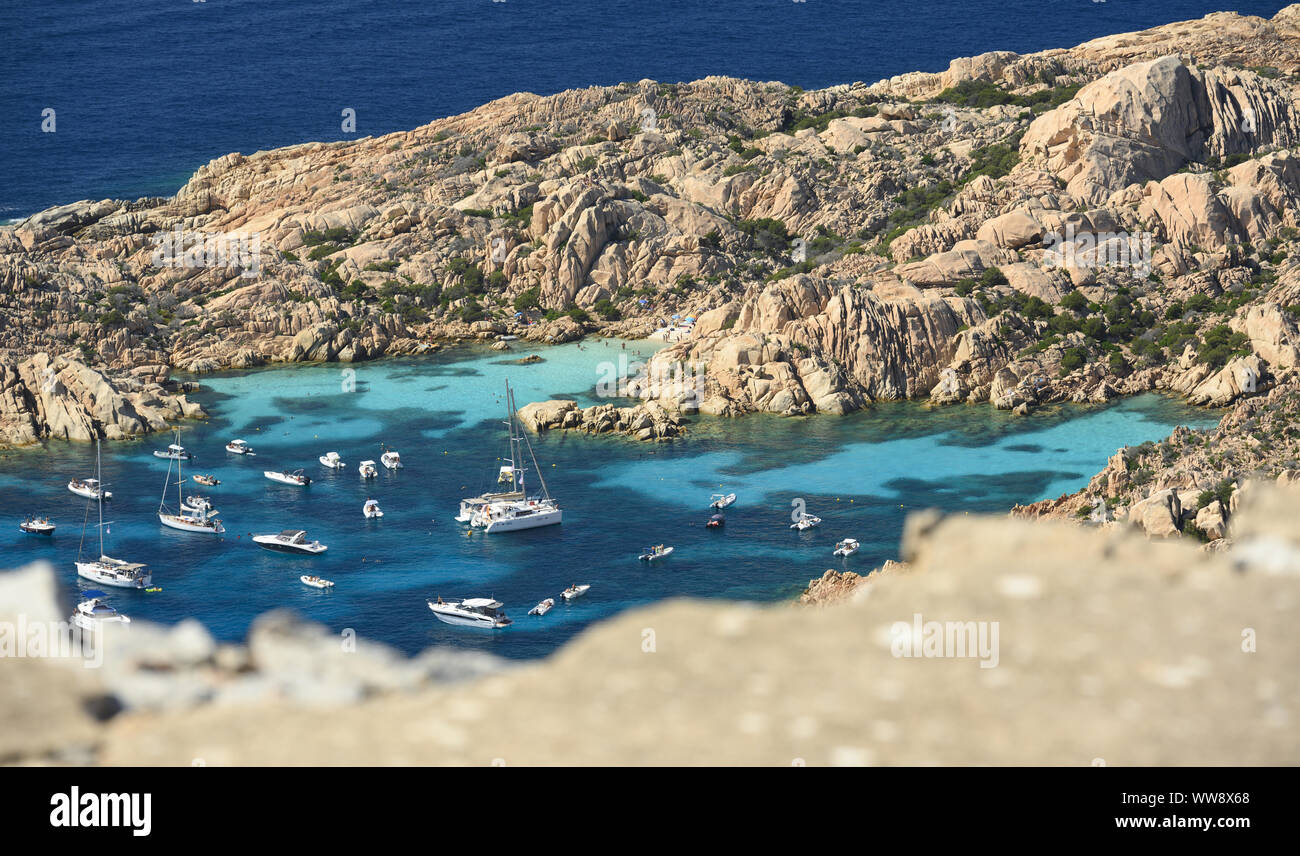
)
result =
(1018, 231)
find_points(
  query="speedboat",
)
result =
(367, 469)
(806, 521)
(721, 501)
(543, 607)
(89, 488)
(470, 612)
(37, 526)
(371, 509)
(656, 552)
(716, 521)
(576, 591)
(847, 547)
(316, 582)
(239, 447)
(331, 460)
(290, 541)
(92, 612)
(295, 478)
(174, 452)
(207, 481)
(513, 509)
(391, 460)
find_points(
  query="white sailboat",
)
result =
(106, 570)
(512, 510)
(193, 515)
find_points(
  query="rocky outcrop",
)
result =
(62, 398)
(643, 422)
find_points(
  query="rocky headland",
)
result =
(1017, 231)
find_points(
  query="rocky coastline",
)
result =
(1071, 225)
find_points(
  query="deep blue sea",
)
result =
(143, 93)
(860, 473)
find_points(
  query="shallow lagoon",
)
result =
(860, 473)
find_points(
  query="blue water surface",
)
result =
(144, 93)
(861, 473)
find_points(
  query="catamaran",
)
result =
(106, 570)
(470, 612)
(514, 509)
(195, 514)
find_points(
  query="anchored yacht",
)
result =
(194, 514)
(514, 509)
(470, 612)
(106, 570)
(239, 447)
(89, 488)
(290, 541)
(92, 612)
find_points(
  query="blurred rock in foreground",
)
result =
(1110, 649)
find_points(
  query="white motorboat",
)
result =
(331, 460)
(543, 607)
(371, 510)
(239, 447)
(290, 541)
(721, 501)
(106, 570)
(194, 514)
(806, 521)
(89, 488)
(37, 526)
(206, 480)
(316, 582)
(367, 469)
(92, 612)
(656, 552)
(470, 612)
(391, 460)
(577, 591)
(514, 509)
(847, 547)
(296, 478)
(174, 452)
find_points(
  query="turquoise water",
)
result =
(861, 474)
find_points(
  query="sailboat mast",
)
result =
(99, 499)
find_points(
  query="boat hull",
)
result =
(532, 521)
(459, 620)
(94, 572)
(185, 525)
(37, 530)
(289, 549)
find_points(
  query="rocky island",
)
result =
(1017, 231)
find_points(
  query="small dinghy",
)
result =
(716, 521)
(89, 488)
(847, 547)
(295, 478)
(207, 481)
(371, 510)
(576, 591)
(721, 501)
(174, 452)
(316, 582)
(656, 552)
(367, 469)
(37, 526)
(391, 460)
(543, 607)
(331, 460)
(239, 447)
(806, 521)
